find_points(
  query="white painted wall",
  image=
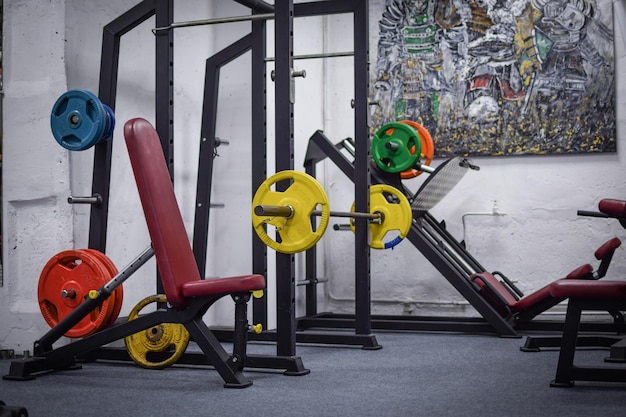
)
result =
(53, 46)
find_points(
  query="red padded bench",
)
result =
(585, 295)
(179, 272)
(510, 303)
(184, 289)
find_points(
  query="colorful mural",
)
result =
(496, 77)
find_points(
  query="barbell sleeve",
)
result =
(279, 211)
(424, 168)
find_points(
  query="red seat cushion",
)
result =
(607, 248)
(531, 299)
(486, 282)
(582, 272)
(172, 249)
(534, 298)
(590, 290)
(228, 285)
(613, 207)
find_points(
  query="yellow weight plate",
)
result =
(304, 195)
(170, 338)
(397, 216)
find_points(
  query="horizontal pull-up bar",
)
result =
(314, 56)
(217, 20)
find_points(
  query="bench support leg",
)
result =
(568, 347)
(215, 353)
(240, 342)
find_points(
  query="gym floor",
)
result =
(414, 374)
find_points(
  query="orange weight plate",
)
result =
(428, 149)
(118, 293)
(64, 283)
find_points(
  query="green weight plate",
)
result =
(396, 147)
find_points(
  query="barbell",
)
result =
(293, 213)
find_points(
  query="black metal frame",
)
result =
(286, 334)
(107, 91)
(208, 144)
(285, 11)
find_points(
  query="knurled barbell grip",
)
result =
(287, 211)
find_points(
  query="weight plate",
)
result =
(159, 346)
(396, 147)
(118, 294)
(396, 212)
(428, 149)
(79, 120)
(304, 195)
(64, 283)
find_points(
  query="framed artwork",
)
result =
(496, 77)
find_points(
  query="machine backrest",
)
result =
(172, 249)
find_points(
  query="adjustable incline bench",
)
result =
(188, 296)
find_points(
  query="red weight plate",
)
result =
(64, 283)
(428, 149)
(118, 293)
(112, 299)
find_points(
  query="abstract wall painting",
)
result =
(496, 77)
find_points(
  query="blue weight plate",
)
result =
(110, 123)
(78, 120)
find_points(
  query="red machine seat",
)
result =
(589, 290)
(501, 298)
(506, 302)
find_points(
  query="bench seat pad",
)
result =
(228, 285)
